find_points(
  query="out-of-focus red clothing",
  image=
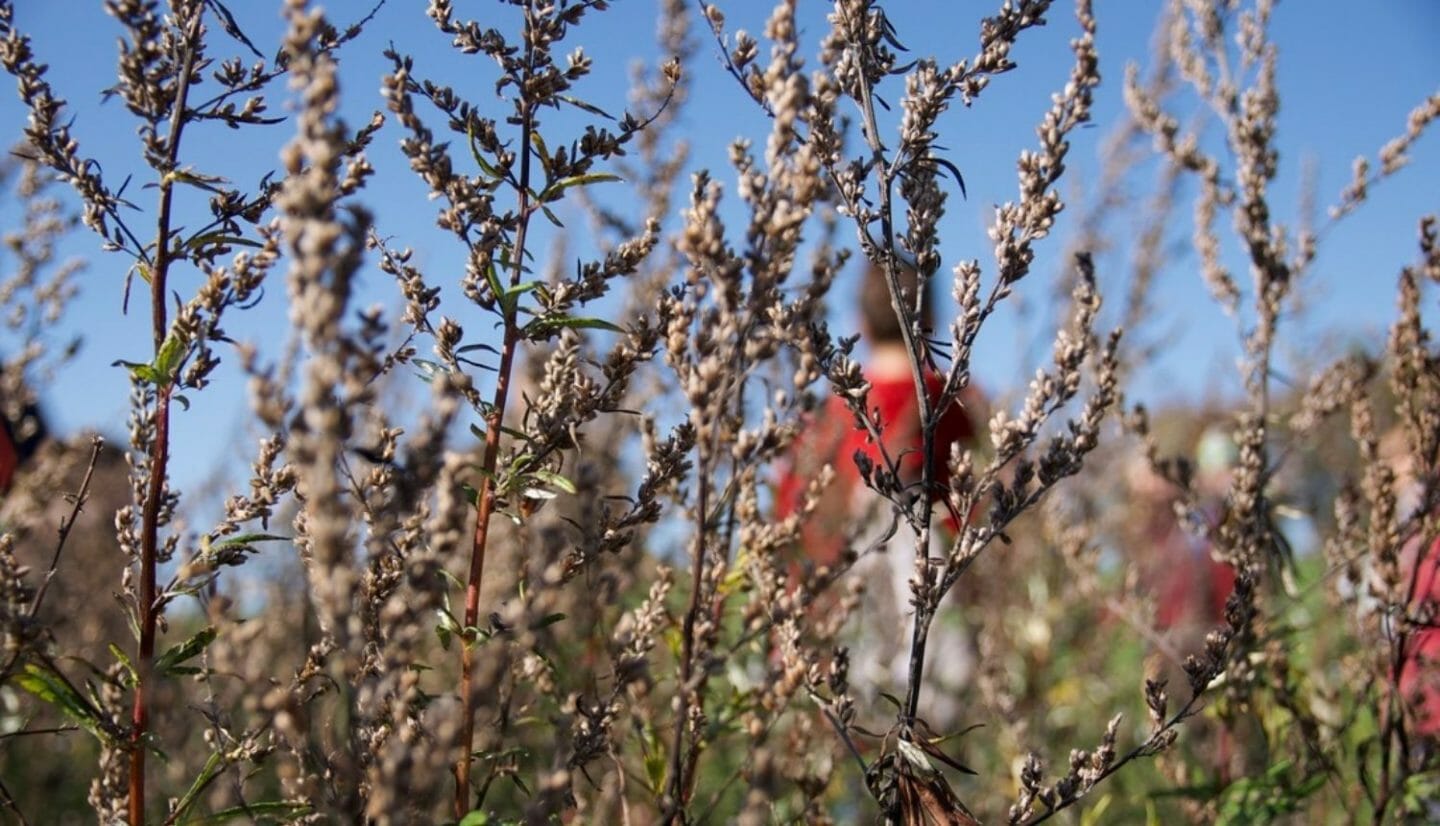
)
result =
(9, 458)
(1420, 665)
(834, 437)
(1195, 588)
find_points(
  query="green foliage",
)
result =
(55, 690)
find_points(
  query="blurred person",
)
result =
(1190, 584)
(850, 510)
(1194, 584)
(22, 431)
(1418, 679)
(1180, 571)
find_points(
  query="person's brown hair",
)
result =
(875, 310)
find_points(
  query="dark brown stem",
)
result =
(920, 512)
(160, 445)
(485, 497)
(677, 785)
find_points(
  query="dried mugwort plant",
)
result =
(591, 463)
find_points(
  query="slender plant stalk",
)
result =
(928, 416)
(678, 783)
(67, 525)
(9, 801)
(160, 445)
(485, 499)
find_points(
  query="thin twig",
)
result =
(67, 524)
(32, 732)
(10, 804)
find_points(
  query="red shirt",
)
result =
(9, 459)
(834, 437)
(1420, 668)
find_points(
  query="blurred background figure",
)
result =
(1181, 573)
(1419, 672)
(851, 514)
(1177, 566)
(22, 429)
(1194, 584)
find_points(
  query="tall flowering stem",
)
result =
(486, 496)
(148, 607)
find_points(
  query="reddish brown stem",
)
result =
(485, 497)
(149, 613)
(147, 608)
(485, 507)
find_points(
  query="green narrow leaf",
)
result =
(556, 189)
(475, 818)
(543, 153)
(550, 215)
(221, 239)
(167, 360)
(470, 348)
(448, 625)
(244, 539)
(544, 325)
(555, 480)
(515, 778)
(207, 774)
(1095, 815)
(192, 178)
(142, 372)
(179, 653)
(124, 660)
(429, 369)
(655, 768)
(586, 107)
(277, 811)
(514, 293)
(512, 432)
(475, 152)
(496, 288)
(58, 693)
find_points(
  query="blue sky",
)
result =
(1349, 75)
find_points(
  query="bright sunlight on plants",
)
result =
(571, 411)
